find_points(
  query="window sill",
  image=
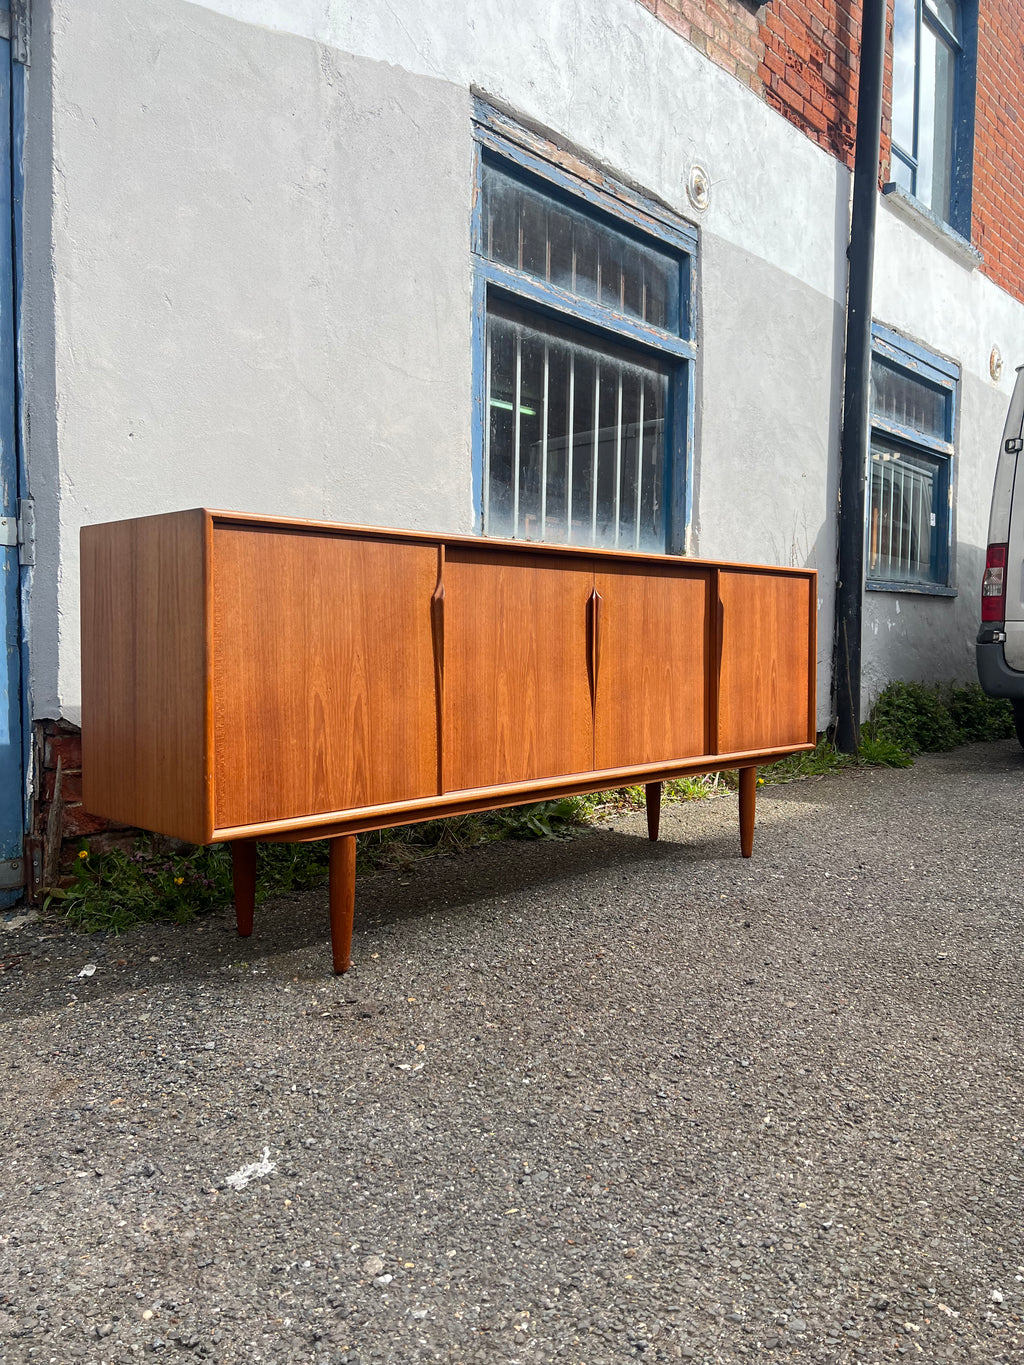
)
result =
(917, 589)
(940, 234)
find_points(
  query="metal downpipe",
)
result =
(857, 381)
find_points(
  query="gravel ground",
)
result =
(588, 1100)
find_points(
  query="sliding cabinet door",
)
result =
(517, 701)
(652, 665)
(323, 673)
(766, 677)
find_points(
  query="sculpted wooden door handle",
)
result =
(594, 639)
(437, 626)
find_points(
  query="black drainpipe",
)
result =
(854, 439)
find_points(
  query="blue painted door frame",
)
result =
(12, 782)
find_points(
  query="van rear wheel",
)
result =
(1018, 720)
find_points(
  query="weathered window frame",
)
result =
(500, 141)
(942, 377)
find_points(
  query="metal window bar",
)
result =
(887, 477)
(572, 434)
(618, 458)
(544, 442)
(917, 510)
(594, 453)
(487, 437)
(639, 466)
(517, 423)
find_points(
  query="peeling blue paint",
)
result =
(12, 787)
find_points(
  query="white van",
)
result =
(1000, 649)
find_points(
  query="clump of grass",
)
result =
(823, 758)
(114, 890)
(882, 753)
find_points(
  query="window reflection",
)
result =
(925, 54)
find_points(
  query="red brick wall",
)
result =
(806, 55)
(57, 741)
(727, 31)
(999, 145)
(808, 71)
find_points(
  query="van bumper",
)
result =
(997, 678)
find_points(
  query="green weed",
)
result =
(928, 718)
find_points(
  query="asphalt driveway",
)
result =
(588, 1100)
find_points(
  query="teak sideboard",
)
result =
(248, 678)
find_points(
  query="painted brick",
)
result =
(78, 822)
(67, 748)
(726, 31)
(70, 786)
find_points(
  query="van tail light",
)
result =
(993, 585)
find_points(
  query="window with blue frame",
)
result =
(910, 467)
(933, 83)
(584, 352)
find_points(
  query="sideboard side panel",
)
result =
(144, 674)
(653, 667)
(766, 670)
(517, 703)
(323, 673)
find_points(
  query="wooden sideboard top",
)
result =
(299, 524)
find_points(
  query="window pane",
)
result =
(902, 173)
(903, 515)
(556, 243)
(935, 132)
(946, 13)
(900, 398)
(904, 62)
(501, 366)
(576, 437)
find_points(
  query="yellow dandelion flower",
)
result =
(83, 853)
(178, 881)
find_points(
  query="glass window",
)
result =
(902, 520)
(909, 466)
(928, 71)
(585, 381)
(532, 232)
(575, 439)
(907, 401)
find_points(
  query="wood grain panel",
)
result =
(516, 687)
(323, 673)
(766, 669)
(652, 678)
(145, 701)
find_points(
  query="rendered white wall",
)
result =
(937, 300)
(262, 289)
(614, 80)
(249, 280)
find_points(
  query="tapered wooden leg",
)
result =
(243, 878)
(342, 899)
(653, 809)
(748, 800)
